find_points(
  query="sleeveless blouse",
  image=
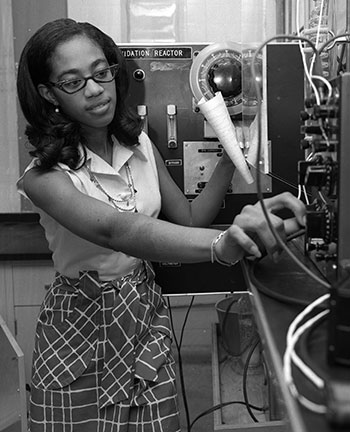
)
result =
(70, 253)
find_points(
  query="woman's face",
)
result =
(94, 105)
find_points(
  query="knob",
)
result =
(139, 75)
(304, 116)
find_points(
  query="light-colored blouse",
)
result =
(72, 254)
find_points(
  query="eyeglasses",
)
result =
(74, 85)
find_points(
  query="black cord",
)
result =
(282, 180)
(185, 321)
(264, 289)
(276, 295)
(334, 39)
(180, 363)
(244, 382)
(296, 234)
(216, 407)
(340, 60)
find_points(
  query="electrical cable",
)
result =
(185, 321)
(244, 380)
(340, 60)
(273, 294)
(334, 39)
(307, 74)
(180, 363)
(264, 289)
(296, 234)
(293, 335)
(293, 328)
(221, 405)
(287, 360)
(282, 180)
(305, 194)
(258, 178)
(304, 352)
(335, 403)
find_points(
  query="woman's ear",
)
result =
(47, 94)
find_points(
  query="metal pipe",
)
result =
(283, 16)
(347, 31)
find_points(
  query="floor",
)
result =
(212, 376)
(197, 373)
(192, 321)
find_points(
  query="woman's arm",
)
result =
(132, 233)
(203, 209)
(146, 237)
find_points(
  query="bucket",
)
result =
(236, 323)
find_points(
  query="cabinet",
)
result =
(22, 290)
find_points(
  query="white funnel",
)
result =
(216, 113)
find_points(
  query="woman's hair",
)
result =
(54, 136)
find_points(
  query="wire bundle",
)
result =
(295, 331)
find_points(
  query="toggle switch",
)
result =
(142, 112)
(171, 127)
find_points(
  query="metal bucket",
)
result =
(236, 322)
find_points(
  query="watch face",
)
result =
(218, 68)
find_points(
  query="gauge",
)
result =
(218, 68)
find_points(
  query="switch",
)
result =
(142, 112)
(171, 126)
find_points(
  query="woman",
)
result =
(102, 359)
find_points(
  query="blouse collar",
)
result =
(120, 155)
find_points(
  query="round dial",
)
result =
(218, 68)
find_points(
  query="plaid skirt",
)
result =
(102, 360)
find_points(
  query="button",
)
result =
(139, 75)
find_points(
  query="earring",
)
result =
(57, 109)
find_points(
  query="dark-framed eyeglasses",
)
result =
(74, 85)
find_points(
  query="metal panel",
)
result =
(159, 76)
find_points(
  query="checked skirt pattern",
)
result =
(102, 345)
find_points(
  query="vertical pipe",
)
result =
(347, 31)
(288, 17)
(282, 16)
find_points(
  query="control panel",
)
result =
(166, 83)
(325, 177)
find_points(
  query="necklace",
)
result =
(130, 203)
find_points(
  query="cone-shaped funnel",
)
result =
(216, 113)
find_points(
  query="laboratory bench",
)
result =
(22, 237)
